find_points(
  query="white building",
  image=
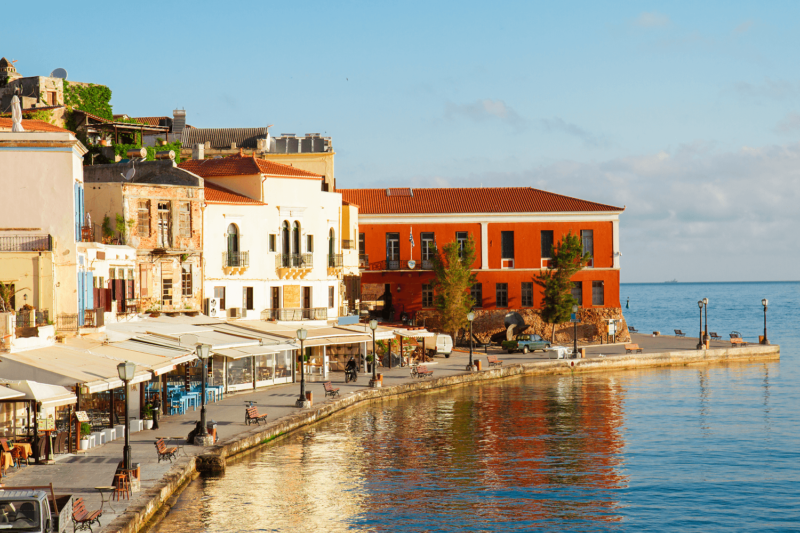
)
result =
(272, 241)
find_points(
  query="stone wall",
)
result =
(489, 324)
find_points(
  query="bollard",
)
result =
(309, 396)
(582, 352)
(478, 363)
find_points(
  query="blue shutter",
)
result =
(89, 290)
(81, 296)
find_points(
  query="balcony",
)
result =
(295, 314)
(293, 266)
(427, 264)
(363, 262)
(235, 260)
(348, 244)
(26, 243)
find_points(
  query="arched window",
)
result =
(331, 242)
(233, 245)
(285, 238)
(296, 238)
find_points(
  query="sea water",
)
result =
(700, 448)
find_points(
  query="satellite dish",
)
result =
(59, 73)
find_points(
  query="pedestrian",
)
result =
(628, 304)
(156, 410)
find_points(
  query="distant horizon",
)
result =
(700, 282)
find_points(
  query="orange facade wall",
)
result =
(375, 235)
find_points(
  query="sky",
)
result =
(686, 113)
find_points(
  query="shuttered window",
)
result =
(185, 219)
(143, 218)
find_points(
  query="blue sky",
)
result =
(688, 113)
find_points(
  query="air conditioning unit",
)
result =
(211, 307)
(506, 263)
(234, 312)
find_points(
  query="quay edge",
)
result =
(137, 517)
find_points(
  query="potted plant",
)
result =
(369, 358)
(147, 413)
(86, 430)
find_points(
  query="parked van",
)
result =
(444, 344)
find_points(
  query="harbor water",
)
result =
(698, 448)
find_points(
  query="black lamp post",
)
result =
(470, 317)
(765, 302)
(373, 325)
(700, 335)
(203, 351)
(302, 334)
(575, 331)
(705, 305)
(126, 372)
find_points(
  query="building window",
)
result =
(587, 242)
(428, 246)
(527, 294)
(331, 294)
(163, 224)
(547, 244)
(392, 246)
(185, 219)
(272, 239)
(219, 294)
(598, 297)
(362, 243)
(309, 243)
(507, 244)
(247, 298)
(476, 291)
(501, 294)
(186, 280)
(143, 219)
(166, 290)
(461, 238)
(577, 292)
(427, 295)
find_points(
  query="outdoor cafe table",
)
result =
(193, 397)
(5, 461)
(25, 448)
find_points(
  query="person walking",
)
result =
(156, 410)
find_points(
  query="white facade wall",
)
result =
(291, 200)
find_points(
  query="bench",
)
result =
(715, 336)
(632, 348)
(423, 372)
(738, 341)
(330, 390)
(679, 333)
(164, 452)
(251, 415)
(633, 329)
(493, 361)
(83, 519)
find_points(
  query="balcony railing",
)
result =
(235, 259)
(26, 243)
(335, 260)
(295, 314)
(427, 264)
(363, 261)
(294, 260)
(27, 318)
(348, 244)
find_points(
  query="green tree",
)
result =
(453, 280)
(567, 259)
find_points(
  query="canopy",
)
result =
(414, 333)
(7, 393)
(47, 395)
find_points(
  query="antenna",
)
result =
(59, 73)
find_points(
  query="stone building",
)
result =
(33, 91)
(161, 209)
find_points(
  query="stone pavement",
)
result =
(80, 473)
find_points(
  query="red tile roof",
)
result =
(240, 165)
(31, 125)
(466, 200)
(215, 194)
(152, 121)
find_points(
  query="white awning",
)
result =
(47, 395)
(414, 333)
(250, 351)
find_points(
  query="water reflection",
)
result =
(511, 456)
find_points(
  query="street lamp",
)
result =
(373, 325)
(705, 305)
(302, 334)
(126, 372)
(575, 331)
(470, 317)
(203, 351)
(700, 335)
(765, 302)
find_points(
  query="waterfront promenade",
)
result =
(79, 474)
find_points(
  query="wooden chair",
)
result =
(715, 337)
(252, 415)
(423, 372)
(330, 390)
(122, 487)
(632, 348)
(679, 333)
(83, 519)
(164, 452)
(493, 360)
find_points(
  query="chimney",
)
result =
(199, 151)
(178, 121)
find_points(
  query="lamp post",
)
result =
(575, 331)
(302, 334)
(765, 302)
(373, 325)
(126, 372)
(705, 306)
(470, 317)
(700, 335)
(203, 351)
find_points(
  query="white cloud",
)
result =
(485, 110)
(790, 124)
(651, 20)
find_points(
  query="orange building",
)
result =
(514, 230)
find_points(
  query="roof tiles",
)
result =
(467, 200)
(214, 194)
(240, 165)
(31, 125)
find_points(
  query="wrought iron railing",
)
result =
(295, 314)
(363, 261)
(334, 260)
(94, 318)
(294, 260)
(348, 244)
(236, 259)
(67, 322)
(30, 318)
(26, 243)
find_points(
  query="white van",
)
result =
(444, 344)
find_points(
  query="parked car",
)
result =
(526, 343)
